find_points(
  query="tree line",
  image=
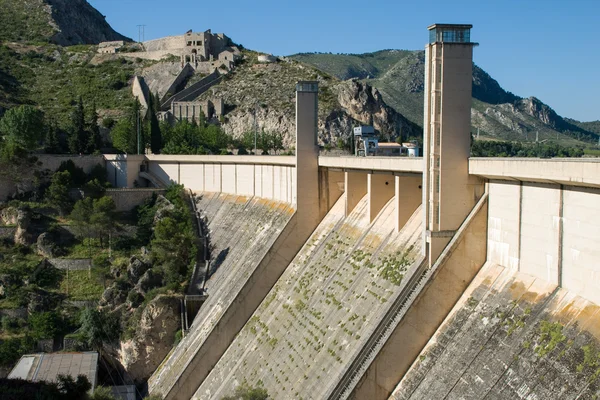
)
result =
(185, 137)
(484, 148)
(25, 128)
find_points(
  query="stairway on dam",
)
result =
(510, 336)
(323, 309)
(242, 230)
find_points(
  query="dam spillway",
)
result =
(242, 230)
(510, 336)
(323, 309)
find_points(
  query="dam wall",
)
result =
(550, 231)
(512, 335)
(243, 233)
(269, 177)
(418, 312)
(325, 306)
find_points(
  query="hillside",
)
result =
(499, 114)
(64, 22)
(268, 90)
(53, 77)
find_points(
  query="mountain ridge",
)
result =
(498, 113)
(62, 22)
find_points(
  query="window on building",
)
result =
(437, 182)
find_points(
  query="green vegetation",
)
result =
(247, 392)
(55, 78)
(550, 336)
(66, 388)
(399, 76)
(21, 21)
(21, 129)
(98, 327)
(84, 285)
(480, 148)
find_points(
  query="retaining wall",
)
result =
(71, 263)
(194, 90)
(127, 199)
(276, 182)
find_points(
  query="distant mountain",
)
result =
(63, 22)
(496, 113)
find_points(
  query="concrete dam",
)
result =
(442, 277)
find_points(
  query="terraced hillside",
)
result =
(323, 309)
(511, 336)
(242, 230)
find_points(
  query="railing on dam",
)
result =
(399, 164)
(565, 171)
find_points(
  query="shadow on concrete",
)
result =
(218, 261)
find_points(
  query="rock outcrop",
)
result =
(77, 22)
(364, 103)
(153, 340)
(23, 235)
(263, 97)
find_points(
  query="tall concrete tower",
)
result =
(307, 156)
(449, 194)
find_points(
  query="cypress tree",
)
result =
(95, 139)
(155, 134)
(77, 134)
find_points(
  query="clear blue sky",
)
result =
(542, 48)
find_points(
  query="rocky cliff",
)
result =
(64, 22)
(265, 95)
(154, 338)
(497, 113)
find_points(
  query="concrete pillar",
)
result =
(449, 193)
(381, 189)
(307, 157)
(355, 186)
(133, 168)
(331, 188)
(408, 196)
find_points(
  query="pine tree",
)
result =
(51, 142)
(77, 136)
(95, 140)
(124, 134)
(155, 134)
(156, 102)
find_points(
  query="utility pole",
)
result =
(138, 132)
(477, 133)
(255, 129)
(141, 33)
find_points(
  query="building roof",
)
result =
(47, 367)
(389, 145)
(452, 26)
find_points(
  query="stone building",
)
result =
(205, 46)
(190, 110)
(110, 47)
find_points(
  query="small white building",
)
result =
(267, 58)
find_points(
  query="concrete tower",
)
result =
(448, 192)
(307, 157)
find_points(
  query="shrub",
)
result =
(135, 298)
